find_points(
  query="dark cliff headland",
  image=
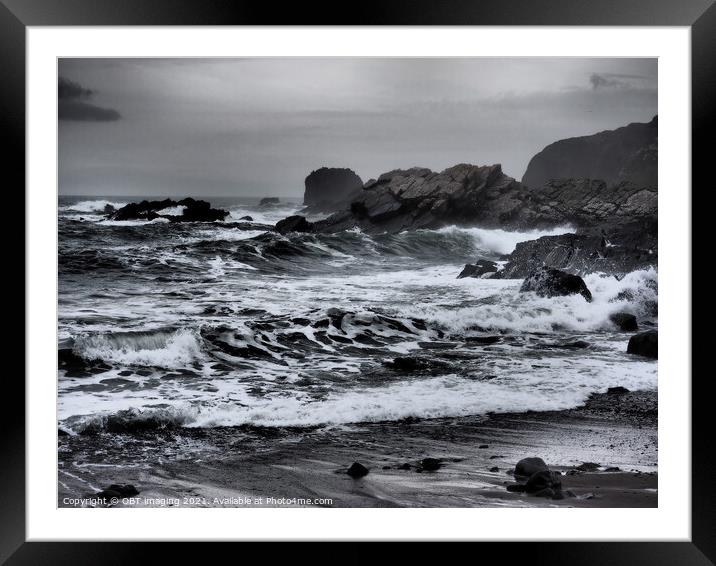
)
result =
(604, 186)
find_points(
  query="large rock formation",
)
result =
(330, 188)
(191, 211)
(591, 202)
(420, 198)
(613, 156)
(616, 250)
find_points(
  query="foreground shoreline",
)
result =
(298, 468)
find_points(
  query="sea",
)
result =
(226, 324)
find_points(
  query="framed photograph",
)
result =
(294, 276)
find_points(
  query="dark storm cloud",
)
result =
(257, 127)
(71, 104)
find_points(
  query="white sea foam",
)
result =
(159, 348)
(503, 241)
(91, 206)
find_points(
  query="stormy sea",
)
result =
(206, 362)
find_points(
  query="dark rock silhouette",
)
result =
(194, 211)
(549, 282)
(480, 268)
(294, 224)
(269, 200)
(624, 321)
(357, 470)
(644, 344)
(528, 466)
(625, 154)
(331, 188)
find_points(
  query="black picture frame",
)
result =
(699, 15)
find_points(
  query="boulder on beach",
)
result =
(431, 464)
(544, 479)
(528, 466)
(269, 200)
(624, 321)
(481, 268)
(357, 470)
(644, 344)
(191, 211)
(550, 282)
(331, 188)
(294, 223)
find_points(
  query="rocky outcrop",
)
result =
(268, 201)
(331, 188)
(589, 202)
(294, 223)
(548, 282)
(613, 156)
(644, 344)
(616, 250)
(481, 268)
(193, 211)
(420, 198)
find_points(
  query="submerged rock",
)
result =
(644, 344)
(357, 470)
(480, 268)
(624, 321)
(549, 282)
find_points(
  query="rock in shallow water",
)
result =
(644, 344)
(549, 282)
(624, 321)
(480, 268)
(294, 223)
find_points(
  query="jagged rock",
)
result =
(269, 200)
(624, 154)
(109, 209)
(624, 321)
(548, 282)
(294, 223)
(420, 198)
(194, 211)
(619, 250)
(331, 188)
(247, 218)
(584, 201)
(644, 344)
(480, 268)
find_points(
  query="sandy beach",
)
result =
(259, 467)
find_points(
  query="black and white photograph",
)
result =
(357, 282)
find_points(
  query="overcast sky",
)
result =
(257, 127)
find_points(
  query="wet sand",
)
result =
(239, 467)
